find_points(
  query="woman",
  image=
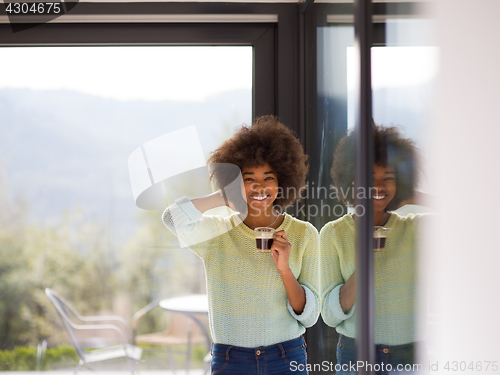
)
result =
(395, 272)
(259, 303)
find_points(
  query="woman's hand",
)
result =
(237, 202)
(280, 250)
(228, 178)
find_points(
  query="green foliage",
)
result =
(25, 358)
(74, 257)
(62, 356)
(34, 258)
(152, 266)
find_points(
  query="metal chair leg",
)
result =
(171, 359)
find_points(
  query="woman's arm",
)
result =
(280, 250)
(348, 293)
(294, 292)
(337, 295)
(309, 277)
(184, 218)
(208, 202)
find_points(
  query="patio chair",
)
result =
(99, 324)
(181, 332)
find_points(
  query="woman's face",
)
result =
(384, 182)
(261, 188)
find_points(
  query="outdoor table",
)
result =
(191, 305)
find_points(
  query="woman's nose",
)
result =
(379, 185)
(258, 187)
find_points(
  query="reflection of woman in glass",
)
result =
(395, 269)
(260, 303)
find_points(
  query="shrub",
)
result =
(25, 358)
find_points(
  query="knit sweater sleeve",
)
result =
(194, 230)
(309, 280)
(332, 279)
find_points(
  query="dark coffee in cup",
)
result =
(264, 243)
(378, 243)
(379, 237)
(264, 238)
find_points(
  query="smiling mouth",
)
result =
(259, 197)
(379, 197)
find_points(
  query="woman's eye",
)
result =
(389, 178)
(249, 179)
(269, 178)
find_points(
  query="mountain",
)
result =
(62, 149)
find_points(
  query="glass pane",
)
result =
(402, 83)
(403, 74)
(332, 43)
(69, 220)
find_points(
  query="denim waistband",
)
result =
(349, 342)
(261, 351)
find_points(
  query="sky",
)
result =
(189, 74)
(397, 66)
(179, 73)
(130, 73)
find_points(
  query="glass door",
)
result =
(69, 219)
(403, 68)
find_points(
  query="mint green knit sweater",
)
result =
(248, 305)
(395, 279)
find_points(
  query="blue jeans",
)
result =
(288, 357)
(396, 359)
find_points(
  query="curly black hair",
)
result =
(391, 149)
(267, 141)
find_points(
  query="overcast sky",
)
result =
(398, 66)
(178, 73)
(130, 73)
